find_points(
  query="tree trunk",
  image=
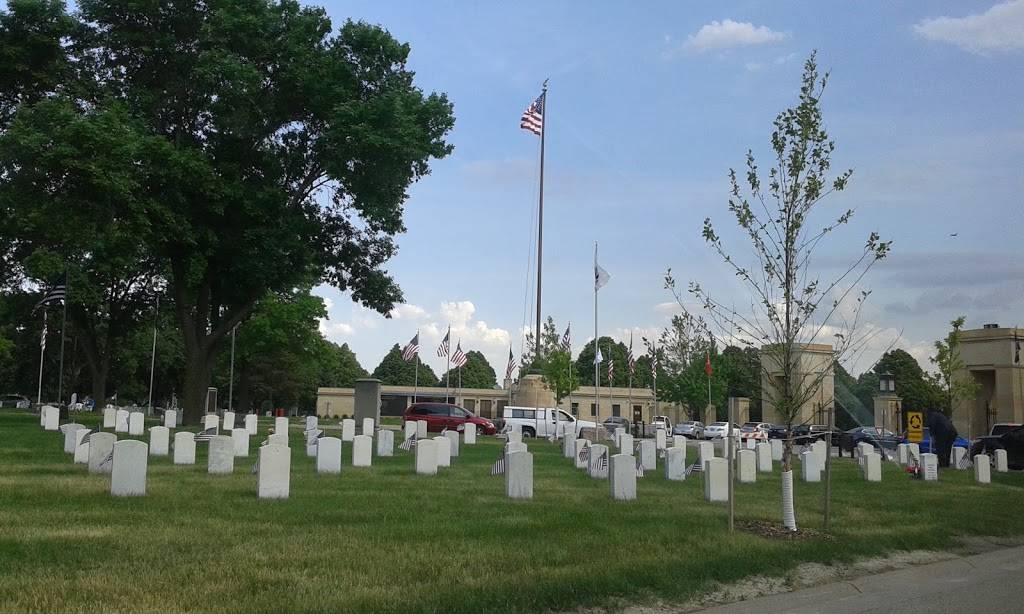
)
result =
(244, 389)
(197, 380)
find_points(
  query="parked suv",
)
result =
(441, 416)
(544, 421)
(661, 422)
(15, 401)
(691, 429)
(1009, 437)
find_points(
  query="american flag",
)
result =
(312, 435)
(533, 116)
(256, 465)
(206, 435)
(409, 443)
(85, 438)
(511, 365)
(611, 367)
(442, 350)
(55, 295)
(654, 363)
(965, 460)
(42, 337)
(584, 453)
(109, 459)
(602, 463)
(692, 468)
(639, 467)
(498, 468)
(567, 340)
(630, 359)
(412, 348)
(459, 358)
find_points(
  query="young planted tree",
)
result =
(791, 306)
(954, 383)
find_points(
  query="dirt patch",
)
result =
(772, 530)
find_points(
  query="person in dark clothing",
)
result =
(943, 434)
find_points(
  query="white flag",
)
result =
(601, 277)
(598, 359)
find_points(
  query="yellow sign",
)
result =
(915, 426)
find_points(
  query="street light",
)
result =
(886, 382)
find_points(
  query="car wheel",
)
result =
(528, 432)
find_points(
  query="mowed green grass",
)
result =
(384, 539)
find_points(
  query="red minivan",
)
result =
(440, 416)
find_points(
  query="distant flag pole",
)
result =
(631, 363)
(611, 378)
(508, 373)
(567, 348)
(708, 370)
(152, 357)
(409, 353)
(654, 374)
(459, 360)
(601, 278)
(63, 330)
(534, 120)
(443, 350)
(42, 354)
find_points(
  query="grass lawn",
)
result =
(384, 539)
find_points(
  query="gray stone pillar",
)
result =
(367, 400)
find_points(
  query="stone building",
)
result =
(814, 368)
(992, 358)
(530, 391)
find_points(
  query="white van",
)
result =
(544, 422)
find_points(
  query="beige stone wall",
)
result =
(814, 361)
(988, 358)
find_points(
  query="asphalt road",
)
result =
(990, 582)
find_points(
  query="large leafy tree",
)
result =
(918, 391)
(955, 385)
(270, 150)
(396, 371)
(476, 373)
(791, 305)
(339, 367)
(610, 350)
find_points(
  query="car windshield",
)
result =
(720, 424)
(999, 429)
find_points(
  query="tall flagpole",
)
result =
(231, 375)
(416, 377)
(152, 357)
(42, 354)
(629, 365)
(540, 216)
(448, 371)
(63, 328)
(597, 375)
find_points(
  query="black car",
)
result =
(614, 422)
(777, 431)
(879, 438)
(1010, 439)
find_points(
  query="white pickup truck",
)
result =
(544, 422)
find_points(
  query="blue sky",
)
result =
(648, 109)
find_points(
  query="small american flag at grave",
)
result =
(206, 435)
(409, 443)
(498, 468)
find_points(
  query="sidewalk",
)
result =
(989, 582)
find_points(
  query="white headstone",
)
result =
(515, 435)
(749, 443)
(221, 457)
(914, 450)
(240, 439)
(128, 474)
(184, 448)
(705, 452)
(764, 457)
(930, 467)
(170, 418)
(820, 450)
(596, 468)
(776, 445)
(469, 434)
(982, 469)
(159, 440)
(274, 474)
(903, 454)
(515, 446)
(519, 475)
(69, 436)
(408, 429)
(211, 421)
(580, 444)
(100, 447)
(625, 444)
(660, 439)
(678, 441)
(280, 424)
(622, 477)
(958, 458)
(453, 439)
(716, 479)
(229, 421)
(251, 423)
(648, 454)
(136, 423)
(443, 447)
(362, 451)
(81, 449)
(386, 443)
(109, 417)
(746, 461)
(312, 422)
(121, 421)
(426, 456)
(51, 418)
(873, 467)
(368, 426)
(675, 463)
(568, 447)
(278, 439)
(328, 455)
(421, 429)
(1002, 465)
(348, 429)
(809, 465)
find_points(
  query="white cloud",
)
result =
(726, 34)
(1000, 29)
(333, 330)
(408, 311)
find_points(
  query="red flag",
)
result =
(707, 363)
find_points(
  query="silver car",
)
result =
(717, 430)
(690, 428)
